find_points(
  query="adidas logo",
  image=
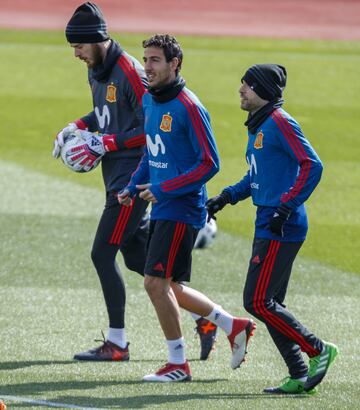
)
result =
(94, 142)
(176, 375)
(322, 363)
(159, 267)
(178, 347)
(255, 259)
(217, 315)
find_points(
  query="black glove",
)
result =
(276, 223)
(216, 204)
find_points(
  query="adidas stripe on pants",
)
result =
(265, 289)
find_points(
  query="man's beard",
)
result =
(97, 56)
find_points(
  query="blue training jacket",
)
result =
(283, 169)
(181, 157)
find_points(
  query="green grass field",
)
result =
(50, 299)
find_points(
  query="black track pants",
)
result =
(264, 293)
(124, 229)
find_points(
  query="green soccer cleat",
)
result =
(319, 365)
(289, 386)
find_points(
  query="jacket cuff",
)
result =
(81, 124)
(109, 142)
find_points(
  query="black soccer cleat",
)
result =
(108, 351)
(207, 332)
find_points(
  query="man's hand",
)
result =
(124, 197)
(216, 204)
(277, 221)
(146, 194)
(95, 146)
(59, 140)
(81, 158)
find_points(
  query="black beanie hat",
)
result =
(267, 80)
(87, 25)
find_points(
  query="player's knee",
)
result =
(154, 286)
(149, 284)
(177, 288)
(96, 256)
(102, 258)
(258, 306)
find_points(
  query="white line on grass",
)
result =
(45, 403)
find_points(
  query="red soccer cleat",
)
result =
(170, 372)
(241, 332)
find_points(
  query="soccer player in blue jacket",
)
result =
(283, 171)
(115, 135)
(181, 156)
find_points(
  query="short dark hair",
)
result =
(170, 46)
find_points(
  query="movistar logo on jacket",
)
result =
(103, 117)
(253, 170)
(156, 146)
(252, 164)
(154, 149)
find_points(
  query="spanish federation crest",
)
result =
(166, 122)
(111, 93)
(259, 140)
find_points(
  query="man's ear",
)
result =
(174, 63)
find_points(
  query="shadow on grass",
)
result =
(35, 388)
(146, 401)
(22, 364)
(46, 391)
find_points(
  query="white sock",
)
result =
(117, 336)
(176, 349)
(195, 316)
(221, 318)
